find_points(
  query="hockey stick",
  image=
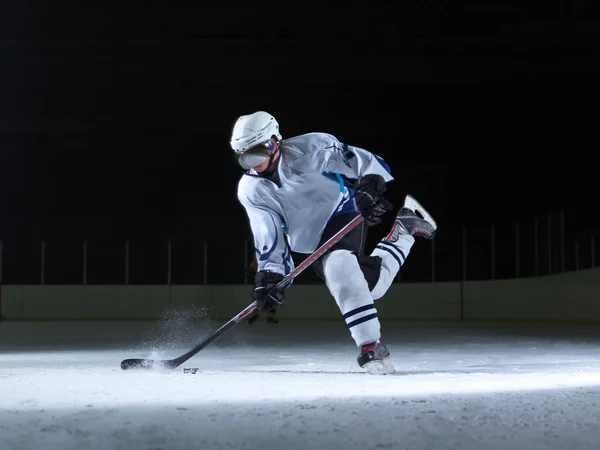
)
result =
(136, 363)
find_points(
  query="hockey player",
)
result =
(316, 185)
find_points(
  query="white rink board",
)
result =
(572, 296)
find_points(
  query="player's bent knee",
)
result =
(343, 275)
(340, 264)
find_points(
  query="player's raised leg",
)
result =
(395, 247)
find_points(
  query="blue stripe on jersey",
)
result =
(287, 260)
(383, 163)
(264, 254)
(347, 204)
(339, 179)
(334, 176)
(347, 153)
(286, 255)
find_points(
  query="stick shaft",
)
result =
(174, 363)
(320, 251)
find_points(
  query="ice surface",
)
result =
(296, 385)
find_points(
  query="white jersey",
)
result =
(305, 192)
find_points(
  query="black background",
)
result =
(116, 118)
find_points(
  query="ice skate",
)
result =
(375, 359)
(272, 319)
(253, 317)
(408, 223)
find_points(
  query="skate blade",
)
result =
(380, 367)
(412, 204)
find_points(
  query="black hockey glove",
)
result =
(368, 198)
(265, 293)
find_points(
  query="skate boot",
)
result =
(408, 223)
(253, 317)
(375, 359)
(271, 318)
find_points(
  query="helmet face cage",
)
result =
(256, 155)
(268, 145)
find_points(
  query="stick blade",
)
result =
(148, 364)
(136, 364)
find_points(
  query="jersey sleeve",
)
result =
(355, 162)
(270, 246)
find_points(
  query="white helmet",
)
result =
(253, 129)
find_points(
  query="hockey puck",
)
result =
(191, 370)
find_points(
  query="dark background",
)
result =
(116, 116)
